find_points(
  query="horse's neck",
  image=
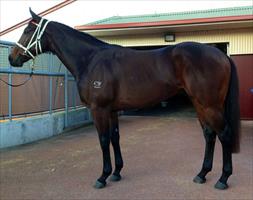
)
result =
(73, 52)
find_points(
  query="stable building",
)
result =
(229, 29)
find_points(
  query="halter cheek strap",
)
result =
(38, 34)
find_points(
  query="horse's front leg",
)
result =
(101, 119)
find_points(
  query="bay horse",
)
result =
(111, 78)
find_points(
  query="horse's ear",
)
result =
(34, 16)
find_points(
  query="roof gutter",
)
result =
(164, 23)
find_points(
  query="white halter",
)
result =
(38, 32)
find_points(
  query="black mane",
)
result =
(81, 35)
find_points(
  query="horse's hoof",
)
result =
(115, 178)
(99, 185)
(199, 180)
(221, 186)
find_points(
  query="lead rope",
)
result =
(28, 79)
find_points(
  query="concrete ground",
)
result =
(161, 154)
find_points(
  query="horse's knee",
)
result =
(115, 137)
(104, 142)
(115, 142)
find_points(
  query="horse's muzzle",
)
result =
(15, 63)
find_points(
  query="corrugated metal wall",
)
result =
(240, 40)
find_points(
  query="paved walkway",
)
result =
(161, 155)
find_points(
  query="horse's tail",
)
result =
(232, 109)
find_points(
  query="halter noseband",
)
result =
(38, 33)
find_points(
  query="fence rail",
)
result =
(50, 80)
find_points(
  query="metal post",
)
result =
(74, 94)
(50, 93)
(10, 97)
(9, 91)
(66, 97)
(89, 115)
(50, 86)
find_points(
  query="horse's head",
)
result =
(31, 42)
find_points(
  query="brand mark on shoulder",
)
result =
(97, 84)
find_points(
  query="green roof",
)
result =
(220, 12)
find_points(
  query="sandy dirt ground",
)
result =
(161, 155)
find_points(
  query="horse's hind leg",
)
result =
(210, 137)
(214, 118)
(114, 128)
(227, 168)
